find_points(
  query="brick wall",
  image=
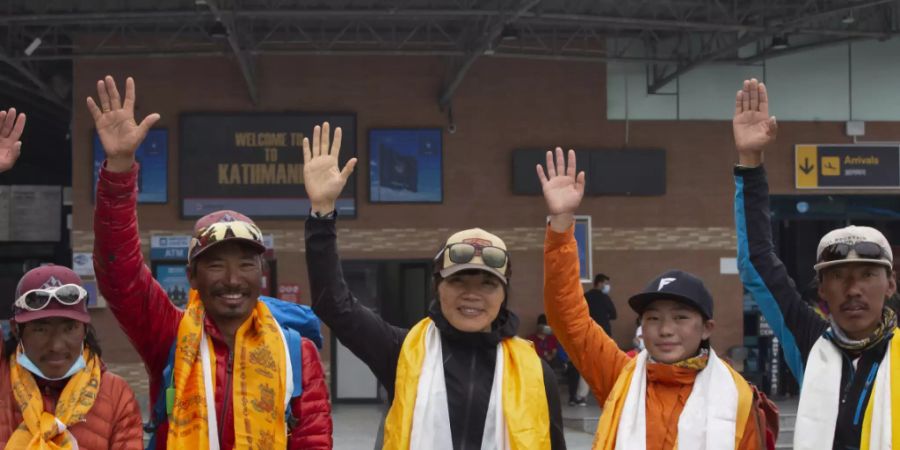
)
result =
(502, 105)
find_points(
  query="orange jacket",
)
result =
(114, 422)
(599, 360)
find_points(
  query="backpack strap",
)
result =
(295, 347)
(165, 401)
(295, 350)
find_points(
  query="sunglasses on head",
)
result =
(864, 249)
(38, 299)
(461, 253)
(223, 230)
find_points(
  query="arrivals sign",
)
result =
(847, 166)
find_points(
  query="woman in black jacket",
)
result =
(467, 328)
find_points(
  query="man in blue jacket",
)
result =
(845, 401)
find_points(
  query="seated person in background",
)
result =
(638, 342)
(545, 344)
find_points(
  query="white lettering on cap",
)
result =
(53, 282)
(663, 282)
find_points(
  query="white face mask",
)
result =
(606, 288)
(30, 366)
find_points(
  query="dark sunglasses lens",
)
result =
(868, 250)
(835, 252)
(493, 257)
(461, 253)
(37, 299)
(68, 295)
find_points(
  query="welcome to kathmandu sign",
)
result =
(253, 163)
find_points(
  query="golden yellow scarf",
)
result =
(41, 430)
(894, 377)
(258, 386)
(524, 398)
(605, 439)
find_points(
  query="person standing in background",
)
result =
(602, 311)
(601, 306)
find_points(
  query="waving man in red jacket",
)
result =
(229, 378)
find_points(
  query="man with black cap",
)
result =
(852, 355)
(231, 370)
(676, 393)
(459, 378)
(55, 391)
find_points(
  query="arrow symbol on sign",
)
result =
(806, 168)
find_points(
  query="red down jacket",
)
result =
(114, 422)
(151, 321)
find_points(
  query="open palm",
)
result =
(11, 128)
(753, 128)
(322, 177)
(563, 189)
(119, 133)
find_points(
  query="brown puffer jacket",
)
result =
(113, 423)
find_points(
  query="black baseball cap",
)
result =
(675, 285)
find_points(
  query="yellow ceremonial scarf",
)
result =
(894, 356)
(524, 398)
(39, 429)
(258, 386)
(615, 402)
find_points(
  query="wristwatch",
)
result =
(318, 215)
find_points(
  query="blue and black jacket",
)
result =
(794, 322)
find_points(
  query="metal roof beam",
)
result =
(786, 27)
(487, 40)
(78, 19)
(44, 91)
(243, 59)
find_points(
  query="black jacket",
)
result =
(601, 308)
(793, 321)
(469, 358)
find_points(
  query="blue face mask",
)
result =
(25, 362)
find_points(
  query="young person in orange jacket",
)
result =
(676, 393)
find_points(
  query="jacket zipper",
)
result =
(845, 391)
(465, 434)
(227, 395)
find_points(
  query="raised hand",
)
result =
(114, 119)
(10, 131)
(322, 177)
(563, 189)
(753, 128)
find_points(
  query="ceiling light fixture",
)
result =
(218, 30)
(33, 46)
(509, 34)
(780, 42)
